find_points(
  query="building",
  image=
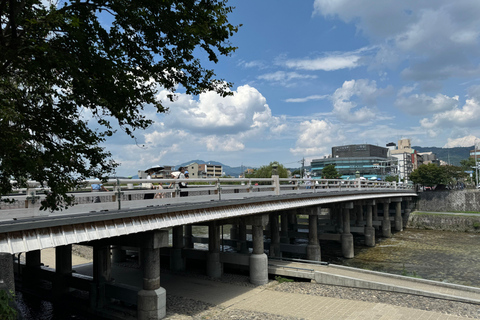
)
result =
(163, 173)
(407, 158)
(209, 171)
(201, 171)
(427, 157)
(366, 160)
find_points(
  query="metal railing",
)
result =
(137, 193)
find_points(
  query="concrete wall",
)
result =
(449, 201)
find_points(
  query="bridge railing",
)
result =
(137, 193)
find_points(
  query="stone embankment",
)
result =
(447, 211)
(457, 222)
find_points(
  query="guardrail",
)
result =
(137, 193)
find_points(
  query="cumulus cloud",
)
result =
(438, 38)
(316, 137)
(420, 104)
(245, 109)
(467, 116)
(466, 141)
(347, 109)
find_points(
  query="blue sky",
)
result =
(309, 75)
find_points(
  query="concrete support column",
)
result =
(258, 259)
(33, 263)
(6, 270)
(214, 266)
(102, 270)
(313, 247)
(347, 237)
(63, 269)
(152, 298)
(369, 229)
(242, 237)
(118, 254)
(359, 215)
(292, 224)
(386, 225)
(177, 262)
(275, 236)
(284, 230)
(406, 211)
(189, 237)
(375, 213)
(398, 215)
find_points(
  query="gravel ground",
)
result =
(181, 308)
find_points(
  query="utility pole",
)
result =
(303, 168)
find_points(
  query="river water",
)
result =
(452, 257)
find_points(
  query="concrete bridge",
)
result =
(265, 215)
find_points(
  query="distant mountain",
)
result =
(449, 155)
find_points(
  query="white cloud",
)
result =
(466, 141)
(467, 116)
(211, 113)
(347, 110)
(312, 97)
(330, 63)
(215, 143)
(316, 137)
(418, 104)
(285, 78)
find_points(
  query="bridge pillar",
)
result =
(375, 213)
(258, 258)
(369, 229)
(347, 237)
(177, 262)
(358, 207)
(386, 224)
(275, 236)
(33, 263)
(6, 270)
(189, 236)
(398, 214)
(242, 237)
(214, 266)
(284, 230)
(152, 299)
(102, 270)
(313, 247)
(292, 224)
(63, 269)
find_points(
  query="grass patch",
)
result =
(282, 279)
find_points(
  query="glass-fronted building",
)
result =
(370, 161)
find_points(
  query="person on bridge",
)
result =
(96, 187)
(182, 184)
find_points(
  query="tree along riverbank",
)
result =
(445, 221)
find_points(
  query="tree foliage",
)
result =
(330, 172)
(69, 74)
(430, 175)
(266, 171)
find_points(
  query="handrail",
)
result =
(135, 193)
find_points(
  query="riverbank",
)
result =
(445, 221)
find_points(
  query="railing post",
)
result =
(119, 194)
(276, 184)
(219, 189)
(395, 185)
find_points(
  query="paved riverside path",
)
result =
(228, 297)
(366, 279)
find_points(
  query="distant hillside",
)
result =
(449, 155)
